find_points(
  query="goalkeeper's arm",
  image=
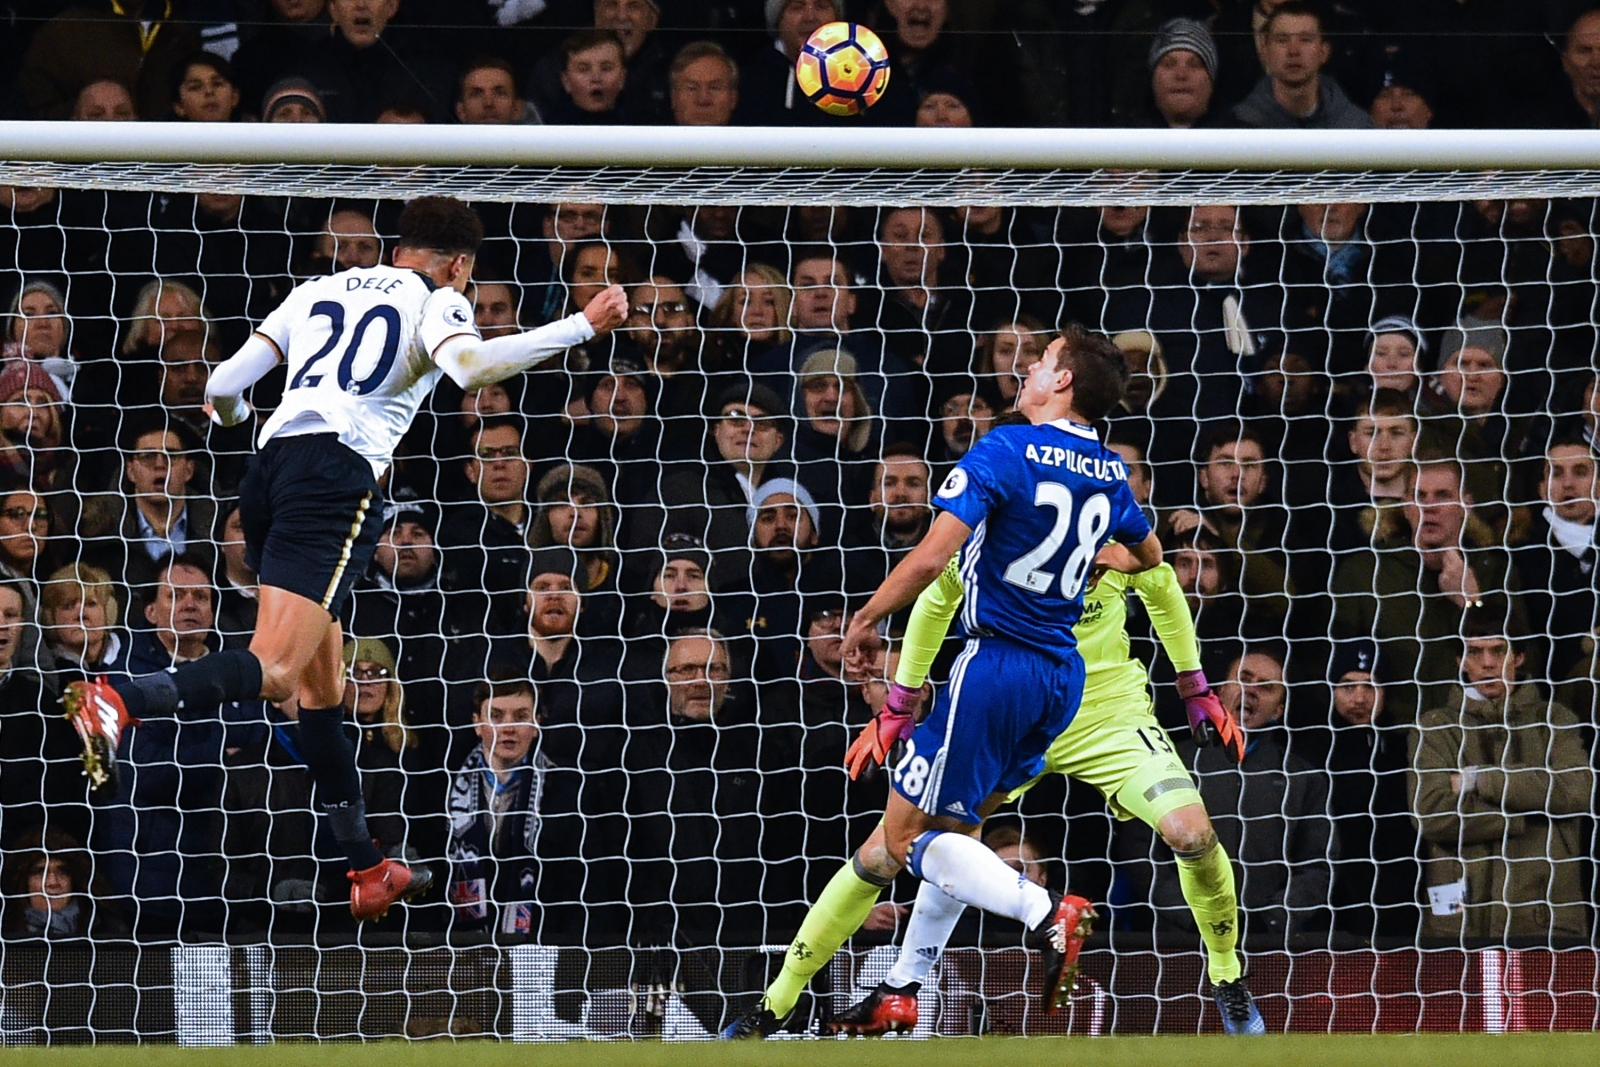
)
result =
(1163, 598)
(473, 363)
(929, 623)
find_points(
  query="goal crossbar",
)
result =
(771, 166)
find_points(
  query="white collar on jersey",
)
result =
(1074, 429)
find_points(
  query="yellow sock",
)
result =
(838, 913)
(1207, 881)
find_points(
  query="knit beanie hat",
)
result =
(1187, 35)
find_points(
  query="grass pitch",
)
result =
(1309, 1050)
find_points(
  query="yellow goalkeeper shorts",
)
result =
(1116, 745)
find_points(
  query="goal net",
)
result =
(1362, 414)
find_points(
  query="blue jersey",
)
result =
(1041, 501)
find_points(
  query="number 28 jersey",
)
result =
(1041, 501)
(359, 347)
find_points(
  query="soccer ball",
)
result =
(843, 68)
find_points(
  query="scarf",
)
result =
(59, 922)
(1576, 538)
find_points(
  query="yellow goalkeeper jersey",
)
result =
(1102, 631)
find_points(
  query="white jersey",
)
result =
(359, 346)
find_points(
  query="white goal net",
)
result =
(1363, 417)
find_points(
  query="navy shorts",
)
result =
(311, 512)
(990, 727)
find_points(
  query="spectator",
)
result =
(290, 28)
(79, 614)
(1183, 78)
(162, 820)
(515, 827)
(360, 68)
(1503, 790)
(238, 586)
(822, 313)
(135, 42)
(106, 100)
(575, 511)
(437, 643)
(293, 100)
(564, 227)
(682, 596)
(661, 325)
(1375, 880)
(594, 71)
(1396, 353)
(1383, 440)
(922, 55)
(1273, 816)
(1402, 101)
(26, 552)
(963, 414)
(623, 440)
(772, 97)
(33, 428)
(787, 567)
(38, 329)
(487, 94)
(1007, 351)
(923, 323)
(1104, 251)
(162, 308)
(159, 514)
(1575, 104)
(496, 308)
(704, 85)
(832, 443)
(1211, 323)
(1295, 92)
(1210, 582)
(1408, 593)
(205, 89)
(898, 514)
(484, 541)
(713, 855)
(752, 319)
(46, 887)
(708, 498)
(1235, 504)
(1020, 852)
(1472, 383)
(590, 268)
(42, 785)
(943, 106)
(1557, 559)
(350, 240)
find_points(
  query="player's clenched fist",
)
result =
(608, 309)
(895, 722)
(1209, 721)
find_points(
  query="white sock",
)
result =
(966, 869)
(933, 920)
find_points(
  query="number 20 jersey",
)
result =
(359, 347)
(1041, 501)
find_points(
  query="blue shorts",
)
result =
(990, 727)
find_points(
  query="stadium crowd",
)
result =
(594, 677)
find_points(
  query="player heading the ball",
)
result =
(363, 349)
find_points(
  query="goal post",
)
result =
(1288, 402)
(781, 165)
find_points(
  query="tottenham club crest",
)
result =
(954, 485)
(458, 315)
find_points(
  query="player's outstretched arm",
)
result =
(225, 388)
(1168, 609)
(925, 630)
(908, 579)
(1141, 557)
(473, 363)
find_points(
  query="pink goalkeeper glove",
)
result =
(1209, 721)
(895, 722)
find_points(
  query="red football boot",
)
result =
(885, 1010)
(96, 711)
(377, 887)
(1062, 937)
